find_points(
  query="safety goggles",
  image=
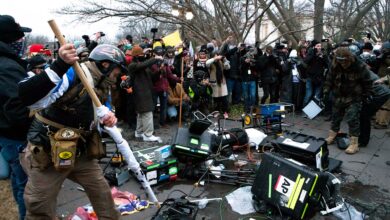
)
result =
(341, 59)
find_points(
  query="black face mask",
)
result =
(106, 71)
(139, 59)
(210, 50)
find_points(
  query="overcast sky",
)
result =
(35, 14)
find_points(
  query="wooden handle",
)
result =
(76, 66)
(181, 93)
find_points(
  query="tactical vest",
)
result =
(75, 108)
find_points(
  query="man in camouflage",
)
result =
(349, 80)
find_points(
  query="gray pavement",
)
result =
(365, 175)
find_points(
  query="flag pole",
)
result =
(181, 91)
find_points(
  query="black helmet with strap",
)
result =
(108, 53)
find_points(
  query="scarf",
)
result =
(17, 47)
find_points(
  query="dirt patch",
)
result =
(8, 208)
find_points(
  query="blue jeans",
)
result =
(10, 151)
(4, 168)
(249, 93)
(310, 89)
(234, 90)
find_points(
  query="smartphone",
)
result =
(325, 40)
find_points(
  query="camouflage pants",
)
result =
(351, 111)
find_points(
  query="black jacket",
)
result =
(316, 66)
(233, 55)
(268, 66)
(14, 120)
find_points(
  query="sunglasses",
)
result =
(341, 59)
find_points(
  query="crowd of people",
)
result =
(41, 94)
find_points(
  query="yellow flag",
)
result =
(171, 39)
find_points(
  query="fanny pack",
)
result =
(64, 148)
(64, 144)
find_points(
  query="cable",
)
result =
(280, 212)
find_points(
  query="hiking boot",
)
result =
(353, 146)
(151, 138)
(331, 137)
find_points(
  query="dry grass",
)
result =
(8, 208)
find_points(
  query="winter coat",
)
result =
(286, 92)
(219, 90)
(353, 84)
(14, 120)
(233, 56)
(161, 80)
(143, 84)
(174, 95)
(269, 67)
(316, 67)
(248, 70)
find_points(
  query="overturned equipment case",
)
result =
(306, 149)
(288, 185)
(194, 142)
(156, 171)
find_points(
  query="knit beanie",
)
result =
(137, 51)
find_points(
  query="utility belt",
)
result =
(68, 143)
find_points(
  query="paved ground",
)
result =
(365, 175)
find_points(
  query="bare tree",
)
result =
(287, 16)
(212, 18)
(142, 29)
(344, 17)
(377, 20)
(319, 19)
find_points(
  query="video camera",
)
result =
(251, 56)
